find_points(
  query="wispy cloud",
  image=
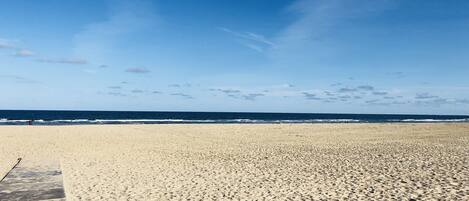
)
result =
(24, 53)
(315, 19)
(345, 97)
(249, 36)
(13, 46)
(180, 85)
(310, 96)
(433, 101)
(380, 93)
(252, 96)
(18, 79)
(254, 47)
(361, 88)
(64, 61)
(6, 44)
(287, 85)
(137, 70)
(137, 91)
(328, 93)
(251, 40)
(347, 90)
(373, 101)
(227, 91)
(116, 94)
(19, 52)
(239, 94)
(230, 91)
(182, 95)
(366, 87)
(424, 96)
(462, 101)
(389, 97)
(115, 87)
(336, 84)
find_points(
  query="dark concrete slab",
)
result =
(33, 183)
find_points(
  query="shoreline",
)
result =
(238, 123)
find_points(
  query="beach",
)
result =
(374, 161)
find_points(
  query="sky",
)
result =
(318, 56)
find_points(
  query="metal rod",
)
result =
(17, 162)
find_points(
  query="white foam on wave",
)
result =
(175, 121)
(13, 121)
(435, 120)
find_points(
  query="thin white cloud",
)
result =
(254, 47)
(252, 96)
(115, 87)
(259, 38)
(19, 51)
(64, 61)
(112, 93)
(137, 70)
(251, 40)
(24, 53)
(18, 79)
(6, 44)
(425, 96)
(187, 96)
(316, 18)
(137, 91)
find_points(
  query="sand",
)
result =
(246, 162)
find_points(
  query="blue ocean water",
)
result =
(38, 117)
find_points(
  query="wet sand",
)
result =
(271, 161)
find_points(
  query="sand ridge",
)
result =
(250, 161)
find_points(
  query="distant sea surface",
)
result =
(37, 117)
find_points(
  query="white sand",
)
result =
(275, 162)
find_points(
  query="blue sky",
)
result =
(355, 56)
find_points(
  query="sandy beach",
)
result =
(246, 162)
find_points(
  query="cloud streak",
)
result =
(251, 40)
(64, 61)
(424, 96)
(24, 53)
(18, 79)
(252, 96)
(310, 96)
(6, 44)
(366, 87)
(137, 70)
(137, 91)
(116, 94)
(227, 91)
(183, 95)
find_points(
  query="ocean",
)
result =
(48, 117)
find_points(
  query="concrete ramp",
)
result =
(40, 182)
